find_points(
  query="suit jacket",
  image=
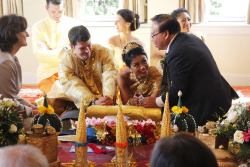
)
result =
(11, 83)
(193, 70)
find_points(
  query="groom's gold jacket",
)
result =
(95, 78)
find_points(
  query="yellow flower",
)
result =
(42, 110)
(177, 110)
(184, 110)
(234, 125)
(50, 110)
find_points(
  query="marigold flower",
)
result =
(42, 110)
(184, 110)
(50, 110)
(176, 110)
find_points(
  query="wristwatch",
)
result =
(93, 101)
(67, 47)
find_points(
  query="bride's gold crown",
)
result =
(130, 46)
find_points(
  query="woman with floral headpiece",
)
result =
(126, 22)
(138, 80)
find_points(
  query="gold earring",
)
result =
(132, 75)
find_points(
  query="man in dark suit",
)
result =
(192, 69)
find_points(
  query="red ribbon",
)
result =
(121, 144)
(96, 149)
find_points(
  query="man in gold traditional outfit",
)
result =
(87, 72)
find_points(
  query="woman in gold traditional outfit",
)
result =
(125, 22)
(139, 79)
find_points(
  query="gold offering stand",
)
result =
(45, 141)
(133, 112)
(218, 145)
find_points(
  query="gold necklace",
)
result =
(140, 82)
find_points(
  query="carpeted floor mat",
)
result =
(31, 93)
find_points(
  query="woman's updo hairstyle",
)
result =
(10, 26)
(130, 17)
(130, 51)
(176, 13)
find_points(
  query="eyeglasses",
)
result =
(153, 36)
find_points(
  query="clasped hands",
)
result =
(136, 100)
(34, 109)
(105, 101)
(139, 100)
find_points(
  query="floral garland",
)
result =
(11, 123)
(235, 125)
(137, 131)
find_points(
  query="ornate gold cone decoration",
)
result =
(166, 129)
(121, 138)
(81, 139)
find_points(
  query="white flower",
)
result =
(179, 93)
(13, 128)
(225, 123)
(243, 165)
(232, 116)
(8, 102)
(238, 136)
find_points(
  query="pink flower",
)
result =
(150, 121)
(180, 93)
(175, 128)
(246, 135)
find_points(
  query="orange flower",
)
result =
(184, 110)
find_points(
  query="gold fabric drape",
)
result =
(11, 7)
(137, 6)
(196, 9)
(248, 13)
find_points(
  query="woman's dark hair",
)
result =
(10, 26)
(182, 150)
(130, 51)
(77, 34)
(176, 13)
(130, 17)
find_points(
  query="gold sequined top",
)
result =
(95, 78)
(149, 85)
